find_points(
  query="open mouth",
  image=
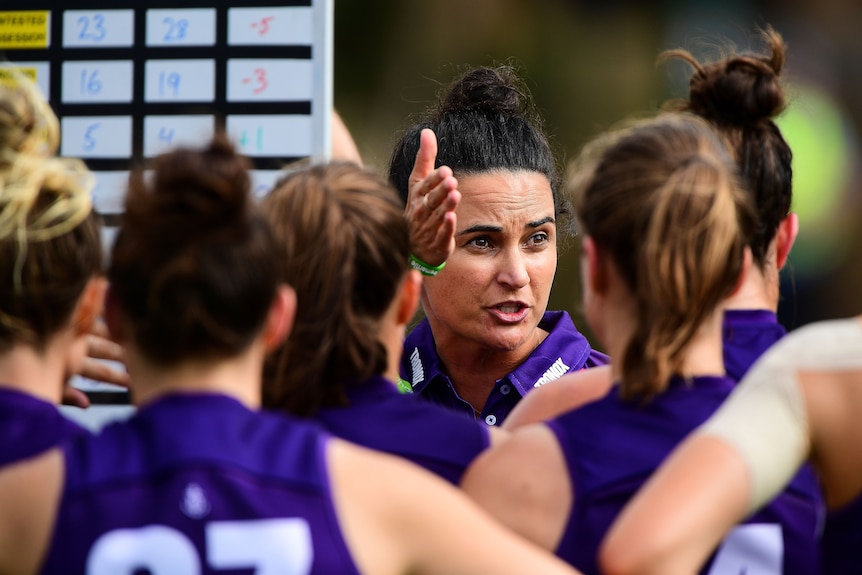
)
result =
(510, 312)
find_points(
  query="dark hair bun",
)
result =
(490, 91)
(741, 90)
(193, 191)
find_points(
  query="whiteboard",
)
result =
(130, 79)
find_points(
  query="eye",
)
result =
(538, 239)
(481, 242)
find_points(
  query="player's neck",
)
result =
(41, 374)
(238, 377)
(759, 290)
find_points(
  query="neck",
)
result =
(759, 290)
(474, 370)
(40, 374)
(702, 355)
(238, 377)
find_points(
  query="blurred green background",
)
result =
(591, 63)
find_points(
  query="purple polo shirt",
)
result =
(382, 418)
(199, 483)
(611, 447)
(29, 426)
(563, 351)
(746, 334)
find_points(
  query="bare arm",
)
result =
(29, 496)
(524, 484)
(343, 146)
(557, 397)
(398, 518)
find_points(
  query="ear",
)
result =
(747, 262)
(89, 306)
(408, 296)
(595, 270)
(785, 237)
(279, 321)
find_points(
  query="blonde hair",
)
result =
(661, 199)
(43, 199)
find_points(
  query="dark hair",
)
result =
(740, 95)
(192, 266)
(662, 201)
(50, 245)
(344, 247)
(485, 121)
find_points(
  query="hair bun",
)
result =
(486, 90)
(740, 90)
(206, 188)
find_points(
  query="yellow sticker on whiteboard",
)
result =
(25, 29)
(9, 75)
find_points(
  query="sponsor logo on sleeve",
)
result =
(557, 370)
(416, 367)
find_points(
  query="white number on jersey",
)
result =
(756, 549)
(270, 546)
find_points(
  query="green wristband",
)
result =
(404, 386)
(425, 269)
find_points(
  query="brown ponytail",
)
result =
(343, 246)
(662, 200)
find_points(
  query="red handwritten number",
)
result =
(260, 76)
(263, 25)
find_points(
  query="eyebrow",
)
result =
(492, 229)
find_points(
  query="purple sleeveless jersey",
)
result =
(29, 426)
(611, 447)
(380, 417)
(564, 350)
(746, 334)
(198, 484)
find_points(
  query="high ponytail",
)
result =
(741, 95)
(192, 265)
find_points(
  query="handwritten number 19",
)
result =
(169, 84)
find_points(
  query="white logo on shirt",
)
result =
(556, 371)
(416, 366)
(194, 503)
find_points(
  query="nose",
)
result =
(512, 271)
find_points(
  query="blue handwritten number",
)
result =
(166, 135)
(169, 83)
(90, 83)
(176, 29)
(95, 33)
(89, 140)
